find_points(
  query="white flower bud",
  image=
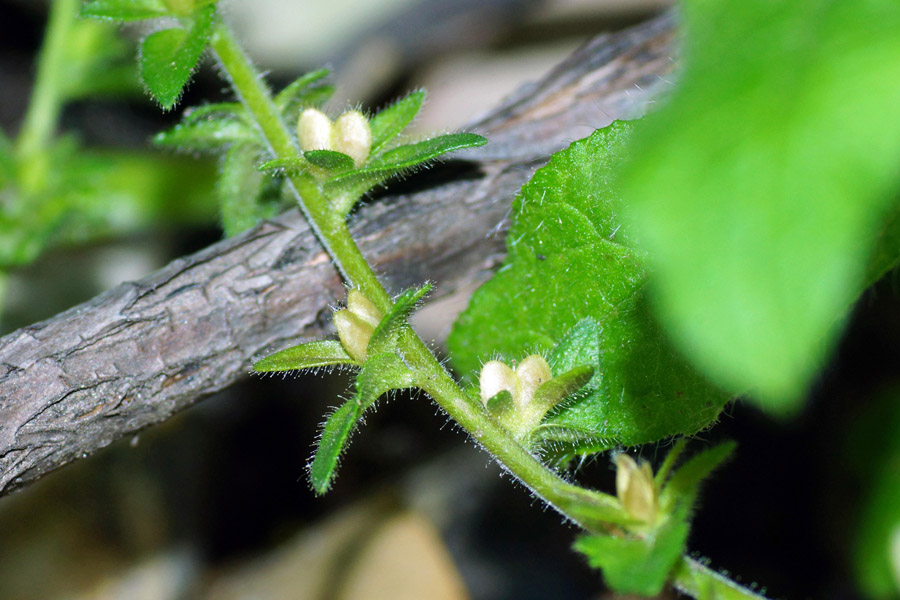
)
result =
(314, 130)
(352, 136)
(532, 372)
(636, 489)
(496, 377)
(361, 306)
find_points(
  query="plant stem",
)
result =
(46, 100)
(695, 579)
(332, 230)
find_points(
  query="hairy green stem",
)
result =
(47, 98)
(332, 230)
(695, 579)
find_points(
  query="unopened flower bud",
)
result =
(314, 130)
(636, 489)
(356, 324)
(352, 136)
(532, 372)
(496, 377)
(358, 303)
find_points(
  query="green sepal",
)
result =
(169, 56)
(334, 438)
(386, 335)
(684, 484)
(665, 469)
(388, 123)
(125, 10)
(500, 405)
(330, 161)
(635, 565)
(306, 356)
(552, 392)
(307, 90)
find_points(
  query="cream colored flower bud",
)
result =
(496, 377)
(532, 372)
(354, 333)
(314, 130)
(352, 136)
(358, 304)
(636, 489)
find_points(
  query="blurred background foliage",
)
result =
(214, 503)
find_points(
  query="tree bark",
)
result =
(133, 356)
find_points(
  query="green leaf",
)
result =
(403, 158)
(685, 482)
(382, 373)
(335, 435)
(384, 338)
(169, 56)
(760, 188)
(329, 160)
(303, 92)
(388, 123)
(379, 375)
(636, 565)
(125, 10)
(306, 356)
(872, 454)
(570, 258)
(209, 129)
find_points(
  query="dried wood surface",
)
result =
(133, 356)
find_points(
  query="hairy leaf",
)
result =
(329, 160)
(760, 189)
(384, 338)
(388, 123)
(335, 435)
(308, 90)
(208, 135)
(169, 56)
(685, 482)
(305, 356)
(570, 259)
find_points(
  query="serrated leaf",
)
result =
(305, 356)
(635, 565)
(329, 160)
(570, 258)
(125, 10)
(307, 90)
(384, 338)
(169, 56)
(335, 435)
(684, 483)
(388, 123)
(760, 188)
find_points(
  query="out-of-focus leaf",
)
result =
(242, 188)
(760, 188)
(125, 10)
